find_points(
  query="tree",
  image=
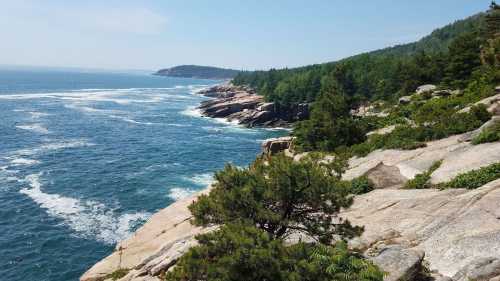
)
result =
(238, 252)
(329, 126)
(279, 196)
(463, 59)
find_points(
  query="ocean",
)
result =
(86, 158)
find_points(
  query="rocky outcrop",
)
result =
(382, 131)
(493, 122)
(492, 104)
(243, 105)
(454, 232)
(404, 100)
(425, 89)
(275, 145)
(370, 110)
(457, 157)
(454, 228)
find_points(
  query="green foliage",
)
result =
(117, 274)
(238, 252)
(342, 265)
(490, 134)
(463, 59)
(329, 126)
(360, 185)
(475, 178)
(279, 196)
(422, 180)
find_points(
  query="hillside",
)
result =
(197, 71)
(386, 73)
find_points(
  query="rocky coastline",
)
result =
(451, 234)
(243, 105)
(454, 234)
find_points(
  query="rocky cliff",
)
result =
(243, 105)
(455, 233)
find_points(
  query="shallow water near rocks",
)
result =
(86, 158)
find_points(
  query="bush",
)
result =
(436, 121)
(239, 252)
(360, 185)
(475, 178)
(490, 134)
(422, 180)
(279, 196)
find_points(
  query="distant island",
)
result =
(197, 71)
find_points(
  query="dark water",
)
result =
(86, 158)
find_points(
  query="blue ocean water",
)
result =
(86, 158)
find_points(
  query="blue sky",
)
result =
(256, 34)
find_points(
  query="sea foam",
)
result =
(89, 219)
(203, 180)
(37, 128)
(177, 193)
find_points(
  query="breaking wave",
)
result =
(88, 219)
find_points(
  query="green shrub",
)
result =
(421, 181)
(245, 253)
(117, 274)
(360, 185)
(475, 178)
(490, 134)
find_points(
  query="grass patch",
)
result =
(490, 134)
(421, 181)
(475, 178)
(117, 274)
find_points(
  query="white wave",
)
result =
(226, 121)
(177, 125)
(129, 120)
(178, 193)
(37, 128)
(36, 114)
(203, 180)
(53, 146)
(118, 96)
(192, 111)
(278, 129)
(110, 113)
(88, 219)
(23, 161)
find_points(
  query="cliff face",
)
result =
(455, 232)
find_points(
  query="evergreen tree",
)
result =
(279, 196)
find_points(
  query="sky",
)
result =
(244, 34)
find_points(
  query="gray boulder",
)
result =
(425, 88)
(399, 263)
(481, 269)
(405, 100)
